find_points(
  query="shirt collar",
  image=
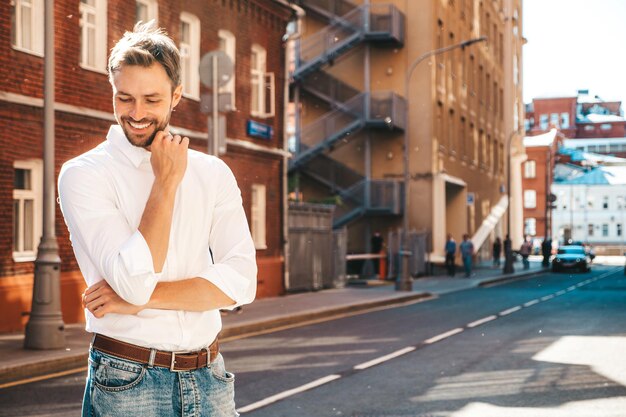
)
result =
(135, 154)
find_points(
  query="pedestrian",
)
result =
(524, 251)
(497, 250)
(376, 243)
(467, 251)
(450, 250)
(546, 251)
(161, 237)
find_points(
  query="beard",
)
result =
(143, 140)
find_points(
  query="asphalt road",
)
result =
(548, 346)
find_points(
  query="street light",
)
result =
(404, 283)
(508, 252)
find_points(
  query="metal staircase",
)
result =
(350, 109)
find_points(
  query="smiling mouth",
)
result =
(139, 126)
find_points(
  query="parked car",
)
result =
(571, 257)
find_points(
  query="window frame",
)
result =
(152, 7)
(35, 194)
(264, 83)
(192, 90)
(528, 200)
(258, 216)
(230, 48)
(36, 22)
(530, 169)
(100, 36)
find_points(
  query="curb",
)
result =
(43, 367)
(505, 278)
(303, 318)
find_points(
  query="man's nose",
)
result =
(138, 111)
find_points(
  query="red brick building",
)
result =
(249, 31)
(537, 176)
(580, 116)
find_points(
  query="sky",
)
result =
(572, 45)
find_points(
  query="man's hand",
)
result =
(100, 299)
(169, 158)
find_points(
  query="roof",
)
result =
(545, 139)
(572, 143)
(601, 118)
(612, 175)
(578, 155)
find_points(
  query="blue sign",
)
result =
(259, 130)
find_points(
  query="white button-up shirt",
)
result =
(103, 194)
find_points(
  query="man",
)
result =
(450, 250)
(525, 251)
(162, 240)
(546, 251)
(467, 251)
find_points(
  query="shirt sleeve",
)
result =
(118, 251)
(234, 269)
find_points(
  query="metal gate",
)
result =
(418, 246)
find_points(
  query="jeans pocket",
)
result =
(219, 372)
(113, 375)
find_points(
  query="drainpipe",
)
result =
(288, 40)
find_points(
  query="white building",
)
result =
(590, 206)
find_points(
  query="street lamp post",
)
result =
(508, 250)
(404, 282)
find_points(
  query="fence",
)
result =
(418, 245)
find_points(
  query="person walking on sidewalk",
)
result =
(450, 250)
(497, 250)
(546, 251)
(467, 252)
(161, 238)
(525, 251)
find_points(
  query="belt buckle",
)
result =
(173, 362)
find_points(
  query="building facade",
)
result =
(249, 32)
(590, 208)
(461, 116)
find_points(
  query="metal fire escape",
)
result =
(350, 109)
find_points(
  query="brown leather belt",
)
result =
(175, 361)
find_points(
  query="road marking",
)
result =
(482, 321)
(531, 303)
(510, 310)
(443, 336)
(288, 393)
(385, 358)
(43, 377)
(559, 293)
(572, 288)
(547, 297)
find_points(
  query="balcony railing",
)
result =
(329, 8)
(387, 110)
(380, 197)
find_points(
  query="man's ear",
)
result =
(177, 95)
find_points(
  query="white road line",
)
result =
(482, 321)
(385, 358)
(572, 288)
(443, 336)
(510, 310)
(580, 284)
(288, 393)
(558, 293)
(547, 297)
(531, 303)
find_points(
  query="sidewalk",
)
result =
(17, 363)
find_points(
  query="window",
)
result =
(554, 119)
(227, 44)
(589, 128)
(590, 229)
(258, 216)
(27, 22)
(619, 229)
(530, 169)
(564, 120)
(93, 24)
(530, 226)
(605, 202)
(190, 55)
(146, 10)
(27, 209)
(605, 230)
(530, 199)
(262, 84)
(543, 121)
(605, 126)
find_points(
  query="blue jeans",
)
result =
(122, 388)
(467, 264)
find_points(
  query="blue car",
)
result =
(571, 257)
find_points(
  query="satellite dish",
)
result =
(224, 68)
